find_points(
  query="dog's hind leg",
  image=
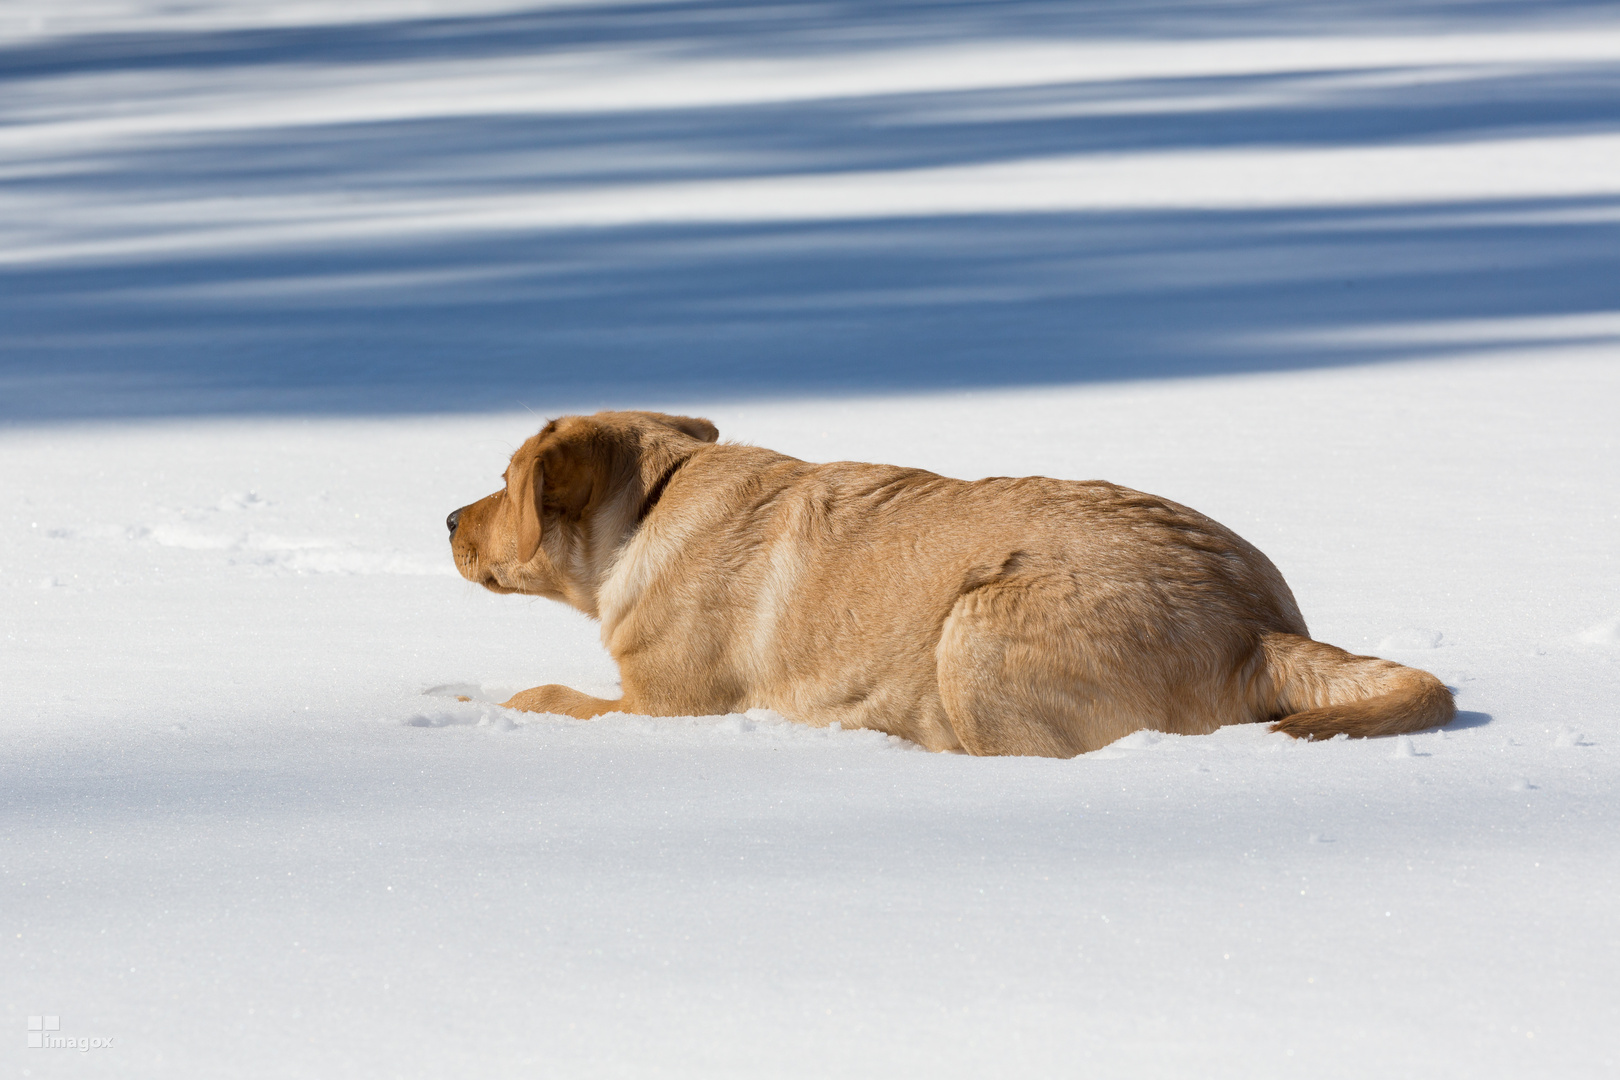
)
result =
(564, 701)
(1008, 681)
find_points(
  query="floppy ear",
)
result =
(695, 426)
(524, 483)
(572, 467)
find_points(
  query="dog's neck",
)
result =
(589, 556)
(655, 492)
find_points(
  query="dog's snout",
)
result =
(455, 516)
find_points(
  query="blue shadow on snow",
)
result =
(610, 316)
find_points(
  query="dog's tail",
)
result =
(1321, 691)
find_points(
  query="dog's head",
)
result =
(574, 494)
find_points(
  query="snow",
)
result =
(281, 289)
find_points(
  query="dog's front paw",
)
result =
(538, 699)
(560, 700)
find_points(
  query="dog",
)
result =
(999, 616)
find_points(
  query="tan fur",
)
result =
(1002, 616)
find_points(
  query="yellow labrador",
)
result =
(1001, 616)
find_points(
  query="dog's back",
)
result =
(1060, 614)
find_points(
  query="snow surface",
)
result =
(277, 292)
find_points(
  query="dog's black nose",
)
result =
(455, 516)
